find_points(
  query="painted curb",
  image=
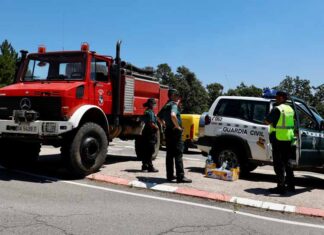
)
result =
(208, 195)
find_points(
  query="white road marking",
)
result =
(176, 201)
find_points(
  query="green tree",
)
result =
(8, 60)
(300, 88)
(243, 90)
(214, 90)
(165, 75)
(193, 94)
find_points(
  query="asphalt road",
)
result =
(45, 201)
(40, 205)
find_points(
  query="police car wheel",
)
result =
(229, 156)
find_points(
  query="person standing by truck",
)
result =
(173, 133)
(281, 121)
(149, 136)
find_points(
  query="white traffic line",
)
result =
(176, 201)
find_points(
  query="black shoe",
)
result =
(172, 178)
(184, 180)
(153, 170)
(144, 169)
(278, 190)
(291, 188)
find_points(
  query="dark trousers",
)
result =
(174, 146)
(148, 150)
(282, 151)
(148, 146)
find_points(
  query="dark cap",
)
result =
(149, 101)
(172, 91)
(282, 94)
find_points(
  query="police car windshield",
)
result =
(308, 110)
(55, 66)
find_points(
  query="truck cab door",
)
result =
(100, 77)
(309, 141)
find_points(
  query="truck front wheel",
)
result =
(88, 150)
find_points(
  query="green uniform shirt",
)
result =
(149, 116)
(166, 111)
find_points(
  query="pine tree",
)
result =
(8, 60)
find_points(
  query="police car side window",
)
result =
(251, 111)
(232, 108)
(260, 111)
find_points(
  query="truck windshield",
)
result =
(51, 66)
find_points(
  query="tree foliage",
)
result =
(300, 88)
(194, 96)
(214, 90)
(8, 60)
(243, 90)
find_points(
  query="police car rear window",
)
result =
(253, 111)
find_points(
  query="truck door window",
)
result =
(99, 70)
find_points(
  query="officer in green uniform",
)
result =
(149, 136)
(170, 114)
(281, 121)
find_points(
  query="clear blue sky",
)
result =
(257, 42)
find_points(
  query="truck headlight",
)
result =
(49, 127)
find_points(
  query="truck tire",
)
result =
(234, 157)
(87, 151)
(139, 146)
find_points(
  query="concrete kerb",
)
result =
(209, 195)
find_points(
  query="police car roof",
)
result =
(244, 98)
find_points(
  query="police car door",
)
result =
(309, 137)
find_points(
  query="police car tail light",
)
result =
(207, 120)
(192, 129)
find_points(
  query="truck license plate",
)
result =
(22, 128)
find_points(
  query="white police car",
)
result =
(235, 132)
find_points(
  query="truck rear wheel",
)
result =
(87, 151)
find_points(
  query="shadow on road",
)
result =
(200, 170)
(152, 180)
(265, 192)
(15, 175)
(113, 159)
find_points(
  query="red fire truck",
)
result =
(75, 100)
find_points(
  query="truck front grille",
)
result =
(49, 108)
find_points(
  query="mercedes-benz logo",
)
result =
(25, 104)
